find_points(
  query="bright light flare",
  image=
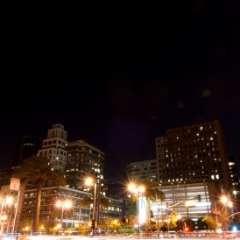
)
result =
(64, 204)
(131, 187)
(9, 200)
(141, 189)
(58, 204)
(224, 199)
(89, 181)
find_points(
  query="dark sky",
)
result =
(119, 77)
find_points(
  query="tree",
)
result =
(37, 170)
(211, 224)
(151, 191)
(202, 225)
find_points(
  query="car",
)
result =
(229, 235)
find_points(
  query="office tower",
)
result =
(234, 173)
(26, 147)
(192, 154)
(54, 147)
(142, 170)
(84, 160)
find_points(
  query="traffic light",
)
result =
(93, 224)
(151, 214)
(186, 229)
(125, 220)
(199, 198)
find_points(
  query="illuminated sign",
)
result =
(142, 209)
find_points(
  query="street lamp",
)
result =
(96, 206)
(180, 218)
(89, 181)
(64, 205)
(137, 190)
(226, 202)
(6, 202)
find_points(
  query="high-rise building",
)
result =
(26, 147)
(142, 170)
(54, 147)
(84, 160)
(192, 154)
(234, 176)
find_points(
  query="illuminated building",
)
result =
(192, 154)
(234, 176)
(54, 146)
(184, 198)
(84, 160)
(138, 171)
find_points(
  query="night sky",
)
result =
(117, 79)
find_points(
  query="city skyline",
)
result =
(118, 81)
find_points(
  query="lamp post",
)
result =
(226, 202)
(6, 202)
(179, 217)
(137, 190)
(96, 205)
(64, 205)
(90, 181)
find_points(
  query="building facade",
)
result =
(234, 173)
(54, 147)
(189, 201)
(26, 147)
(84, 160)
(76, 215)
(193, 153)
(142, 170)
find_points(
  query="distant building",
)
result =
(54, 147)
(84, 160)
(78, 214)
(5, 176)
(26, 147)
(192, 201)
(142, 170)
(234, 173)
(193, 153)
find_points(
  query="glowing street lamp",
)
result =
(64, 205)
(226, 202)
(5, 202)
(90, 181)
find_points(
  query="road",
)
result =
(132, 237)
(189, 236)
